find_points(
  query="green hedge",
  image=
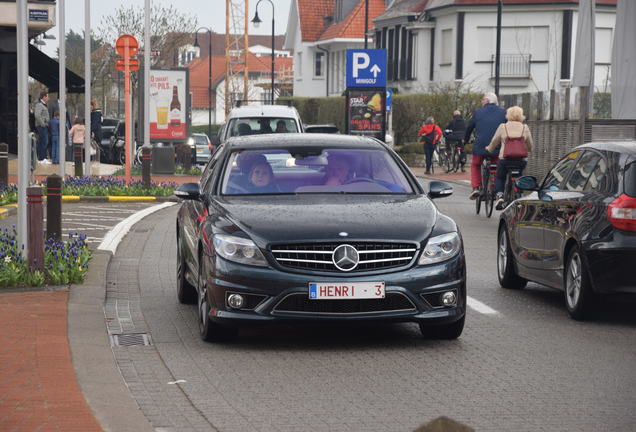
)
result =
(204, 129)
(409, 111)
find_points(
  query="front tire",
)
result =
(508, 277)
(208, 330)
(443, 332)
(186, 292)
(579, 297)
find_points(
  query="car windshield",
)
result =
(261, 125)
(313, 170)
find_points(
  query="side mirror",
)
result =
(438, 189)
(188, 191)
(527, 183)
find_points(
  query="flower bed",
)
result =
(8, 194)
(64, 262)
(103, 186)
(178, 169)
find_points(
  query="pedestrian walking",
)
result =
(429, 135)
(42, 119)
(454, 134)
(484, 123)
(96, 122)
(77, 132)
(55, 137)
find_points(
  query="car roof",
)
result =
(625, 147)
(300, 140)
(263, 111)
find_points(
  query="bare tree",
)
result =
(169, 29)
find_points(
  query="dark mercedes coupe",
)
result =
(576, 231)
(316, 227)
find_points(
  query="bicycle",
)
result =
(487, 189)
(440, 156)
(511, 192)
(457, 157)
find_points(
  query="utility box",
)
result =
(163, 160)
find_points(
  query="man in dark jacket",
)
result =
(42, 120)
(455, 131)
(484, 122)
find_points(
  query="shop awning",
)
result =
(46, 70)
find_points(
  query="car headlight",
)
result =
(191, 142)
(238, 249)
(440, 248)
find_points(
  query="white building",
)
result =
(445, 41)
(319, 32)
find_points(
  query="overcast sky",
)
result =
(210, 13)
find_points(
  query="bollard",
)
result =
(145, 166)
(35, 229)
(77, 152)
(54, 207)
(4, 164)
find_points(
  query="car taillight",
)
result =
(622, 213)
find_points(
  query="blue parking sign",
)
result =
(366, 68)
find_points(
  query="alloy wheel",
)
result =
(502, 256)
(573, 281)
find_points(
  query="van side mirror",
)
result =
(438, 189)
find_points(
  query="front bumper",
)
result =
(611, 263)
(414, 289)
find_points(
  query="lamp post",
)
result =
(256, 21)
(196, 45)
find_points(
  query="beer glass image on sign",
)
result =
(162, 112)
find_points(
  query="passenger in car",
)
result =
(244, 129)
(281, 127)
(261, 177)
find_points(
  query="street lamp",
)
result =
(196, 45)
(256, 21)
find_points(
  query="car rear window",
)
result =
(315, 170)
(261, 125)
(630, 179)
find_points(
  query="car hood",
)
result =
(299, 218)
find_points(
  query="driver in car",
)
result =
(339, 170)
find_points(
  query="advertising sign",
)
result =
(365, 112)
(366, 68)
(168, 90)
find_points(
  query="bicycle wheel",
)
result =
(490, 197)
(449, 161)
(456, 158)
(508, 190)
(478, 202)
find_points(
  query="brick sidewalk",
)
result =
(38, 388)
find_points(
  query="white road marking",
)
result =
(480, 307)
(179, 381)
(115, 235)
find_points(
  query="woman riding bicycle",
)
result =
(516, 143)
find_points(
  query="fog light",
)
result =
(236, 301)
(449, 298)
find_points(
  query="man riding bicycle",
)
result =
(454, 134)
(516, 142)
(485, 122)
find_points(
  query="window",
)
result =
(603, 42)
(390, 54)
(629, 180)
(261, 125)
(514, 40)
(540, 43)
(319, 58)
(599, 179)
(555, 177)
(299, 63)
(582, 171)
(447, 47)
(485, 38)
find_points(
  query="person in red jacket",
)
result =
(429, 135)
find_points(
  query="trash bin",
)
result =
(163, 160)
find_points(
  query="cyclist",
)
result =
(484, 122)
(509, 135)
(429, 135)
(455, 131)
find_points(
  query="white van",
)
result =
(260, 119)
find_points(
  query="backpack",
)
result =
(429, 137)
(515, 148)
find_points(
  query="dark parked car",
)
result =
(577, 230)
(322, 128)
(317, 227)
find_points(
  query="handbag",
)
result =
(515, 148)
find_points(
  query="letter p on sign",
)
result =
(360, 61)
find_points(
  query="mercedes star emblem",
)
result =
(345, 257)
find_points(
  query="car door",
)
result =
(569, 205)
(533, 219)
(527, 233)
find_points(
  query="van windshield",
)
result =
(261, 125)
